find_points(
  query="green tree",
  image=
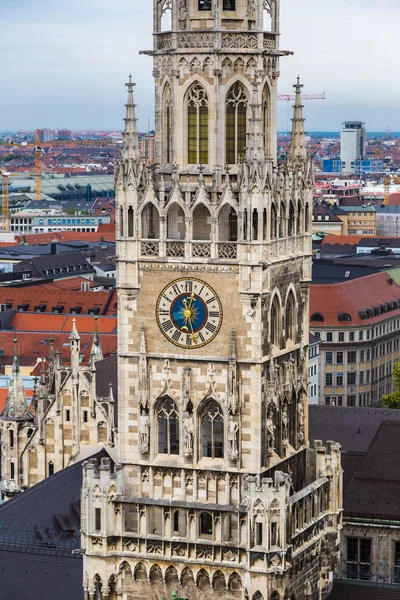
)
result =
(393, 400)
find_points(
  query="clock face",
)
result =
(189, 313)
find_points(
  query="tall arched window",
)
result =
(176, 223)
(167, 125)
(291, 220)
(273, 222)
(168, 427)
(307, 219)
(282, 218)
(290, 318)
(236, 123)
(300, 215)
(212, 431)
(228, 224)
(266, 103)
(150, 222)
(197, 103)
(275, 320)
(201, 223)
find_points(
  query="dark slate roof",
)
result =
(374, 488)
(106, 373)
(27, 574)
(39, 530)
(352, 590)
(350, 463)
(353, 428)
(324, 271)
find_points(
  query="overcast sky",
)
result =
(64, 62)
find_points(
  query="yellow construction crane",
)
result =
(386, 188)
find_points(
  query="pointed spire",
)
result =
(131, 140)
(298, 147)
(74, 336)
(16, 406)
(96, 352)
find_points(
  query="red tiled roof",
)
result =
(23, 321)
(33, 296)
(342, 239)
(33, 346)
(353, 296)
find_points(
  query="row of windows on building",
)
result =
(282, 223)
(312, 370)
(197, 103)
(359, 560)
(340, 336)
(363, 355)
(207, 5)
(351, 379)
(351, 400)
(313, 391)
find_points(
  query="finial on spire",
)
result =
(131, 139)
(298, 147)
(96, 352)
(74, 336)
(16, 406)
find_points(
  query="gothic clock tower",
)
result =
(217, 492)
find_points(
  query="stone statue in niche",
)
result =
(271, 428)
(188, 433)
(233, 428)
(300, 419)
(285, 423)
(144, 432)
(183, 13)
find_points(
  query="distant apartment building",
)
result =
(325, 221)
(44, 221)
(353, 141)
(47, 135)
(357, 220)
(313, 369)
(147, 147)
(358, 323)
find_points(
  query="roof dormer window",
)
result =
(229, 5)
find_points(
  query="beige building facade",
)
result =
(67, 419)
(216, 492)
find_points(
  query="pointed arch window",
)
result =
(275, 318)
(266, 103)
(167, 125)
(273, 222)
(168, 427)
(197, 103)
(212, 431)
(291, 230)
(236, 123)
(290, 318)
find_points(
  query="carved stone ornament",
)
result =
(271, 428)
(229, 555)
(129, 545)
(188, 434)
(154, 547)
(144, 432)
(178, 550)
(97, 541)
(233, 428)
(204, 552)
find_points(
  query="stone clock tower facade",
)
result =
(217, 492)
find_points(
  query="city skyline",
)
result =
(57, 75)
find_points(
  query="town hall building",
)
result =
(217, 492)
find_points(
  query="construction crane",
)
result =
(5, 199)
(386, 188)
(289, 97)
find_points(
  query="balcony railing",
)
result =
(175, 249)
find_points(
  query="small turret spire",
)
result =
(96, 352)
(131, 139)
(298, 147)
(16, 406)
(74, 335)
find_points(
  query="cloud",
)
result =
(65, 63)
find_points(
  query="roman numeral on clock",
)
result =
(167, 325)
(163, 312)
(166, 298)
(210, 300)
(201, 336)
(214, 314)
(176, 335)
(210, 327)
(189, 340)
(189, 286)
(176, 289)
